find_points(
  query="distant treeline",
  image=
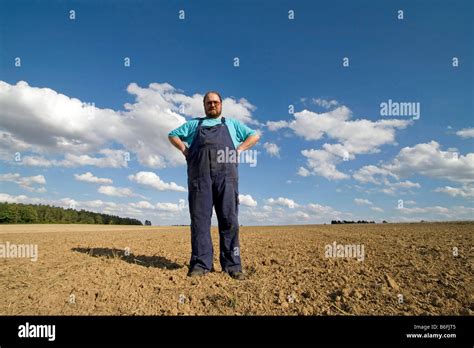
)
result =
(18, 213)
(334, 222)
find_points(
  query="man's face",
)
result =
(212, 106)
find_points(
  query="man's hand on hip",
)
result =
(185, 152)
(177, 143)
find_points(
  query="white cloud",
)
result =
(321, 210)
(372, 174)
(152, 180)
(171, 207)
(247, 200)
(160, 206)
(37, 161)
(25, 182)
(435, 209)
(321, 163)
(111, 159)
(301, 215)
(466, 133)
(302, 171)
(327, 104)
(272, 149)
(405, 184)
(283, 211)
(89, 177)
(429, 160)
(391, 188)
(47, 123)
(115, 191)
(426, 159)
(5, 197)
(377, 209)
(361, 201)
(285, 202)
(239, 109)
(353, 137)
(51, 121)
(356, 136)
(435, 213)
(466, 191)
(142, 205)
(276, 125)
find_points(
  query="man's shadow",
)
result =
(142, 260)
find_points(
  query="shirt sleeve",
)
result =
(185, 132)
(242, 131)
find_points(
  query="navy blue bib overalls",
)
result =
(213, 182)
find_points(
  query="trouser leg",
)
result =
(225, 197)
(200, 208)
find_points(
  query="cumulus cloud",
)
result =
(392, 188)
(142, 205)
(272, 149)
(458, 212)
(372, 174)
(239, 109)
(110, 159)
(361, 201)
(302, 171)
(160, 206)
(380, 176)
(47, 123)
(321, 210)
(276, 125)
(352, 137)
(152, 180)
(466, 133)
(301, 215)
(466, 191)
(26, 182)
(283, 211)
(321, 163)
(435, 209)
(5, 197)
(286, 202)
(429, 160)
(327, 104)
(89, 177)
(426, 159)
(171, 206)
(247, 200)
(115, 191)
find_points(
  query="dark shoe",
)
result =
(238, 275)
(198, 272)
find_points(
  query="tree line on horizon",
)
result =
(19, 213)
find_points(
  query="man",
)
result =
(213, 182)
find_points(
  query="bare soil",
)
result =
(408, 269)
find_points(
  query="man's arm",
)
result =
(177, 143)
(250, 141)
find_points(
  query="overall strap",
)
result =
(223, 119)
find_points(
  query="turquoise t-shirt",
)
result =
(238, 131)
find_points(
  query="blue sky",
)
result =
(66, 62)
